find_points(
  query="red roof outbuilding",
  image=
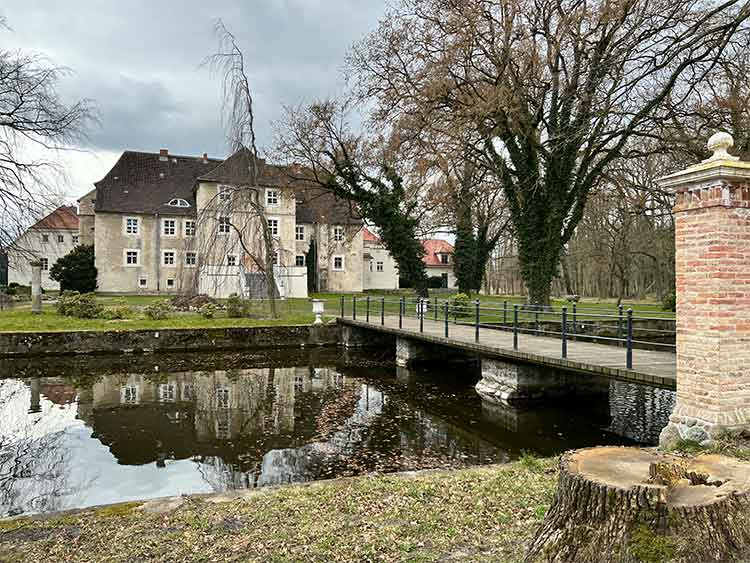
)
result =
(433, 247)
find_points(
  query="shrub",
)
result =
(158, 310)
(76, 271)
(118, 312)
(236, 307)
(669, 302)
(460, 305)
(435, 282)
(208, 311)
(78, 305)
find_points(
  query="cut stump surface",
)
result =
(617, 504)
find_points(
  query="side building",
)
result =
(380, 269)
(438, 258)
(50, 238)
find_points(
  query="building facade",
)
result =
(380, 269)
(49, 239)
(438, 259)
(168, 224)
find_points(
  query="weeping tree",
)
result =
(244, 208)
(554, 89)
(36, 125)
(361, 170)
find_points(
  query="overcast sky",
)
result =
(140, 63)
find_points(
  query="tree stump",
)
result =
(628, 505)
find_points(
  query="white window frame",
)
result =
(224, 193)
(273, 197)
(75, 239)
(135, 392)
(444, 258)
(338, 233)
(168, 392)
(143, 278)
(169, 285)
(276, 227)
(189, 223)
(137, 257)
(164, 253)
(296, 260)
(175, 228)
(125, 227)
(60, 239)
(379, 266)
(275, 258)
(220, 225)
(299, 232)
(194, 256)
(223, 397)
(45, 237)
(45, 264)
(333, 263)
(233, 257)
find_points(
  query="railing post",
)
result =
(367, 309)
(575, 320)
(342, 306)
(476, 321)
(629, 357)
(401, 312)
(447, 315)
(619, 323)
(421, 305)
(382, 310)
(505, 313)
(354, 307)
(435, 305)
(536, 320)
(515, 327)
(564, 332)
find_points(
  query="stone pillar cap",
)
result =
(720, 166)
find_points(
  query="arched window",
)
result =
(178, 202)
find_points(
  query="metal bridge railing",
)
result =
(621, 327)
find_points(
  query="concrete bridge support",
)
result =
(712, 266)
(410, 352)
(505, 382)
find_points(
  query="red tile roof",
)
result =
(432, 248)
(369, 236)
(64, 217)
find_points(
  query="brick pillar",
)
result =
(712, 245)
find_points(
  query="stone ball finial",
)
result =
(718, 144)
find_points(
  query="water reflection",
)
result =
(103, 431)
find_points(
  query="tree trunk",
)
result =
(629, 505)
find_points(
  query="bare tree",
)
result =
(245, 210)
(555, 89)
(36, 124)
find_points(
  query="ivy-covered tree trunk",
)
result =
(465, 250)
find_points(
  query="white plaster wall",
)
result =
(388, 278)
(31, 245)
(440, 270)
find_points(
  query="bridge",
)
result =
(525, 353)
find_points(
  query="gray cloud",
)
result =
(140, 60)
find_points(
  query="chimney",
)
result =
(205, 158)
(164, 155)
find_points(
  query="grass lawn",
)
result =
(479, 515)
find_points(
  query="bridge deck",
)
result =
(654, 367)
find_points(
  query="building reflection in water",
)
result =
(252, 427)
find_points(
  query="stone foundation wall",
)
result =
(170, 340)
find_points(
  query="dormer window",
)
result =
(225, 193)
(443, 258)
(178, 202)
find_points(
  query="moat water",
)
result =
(83, 431)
